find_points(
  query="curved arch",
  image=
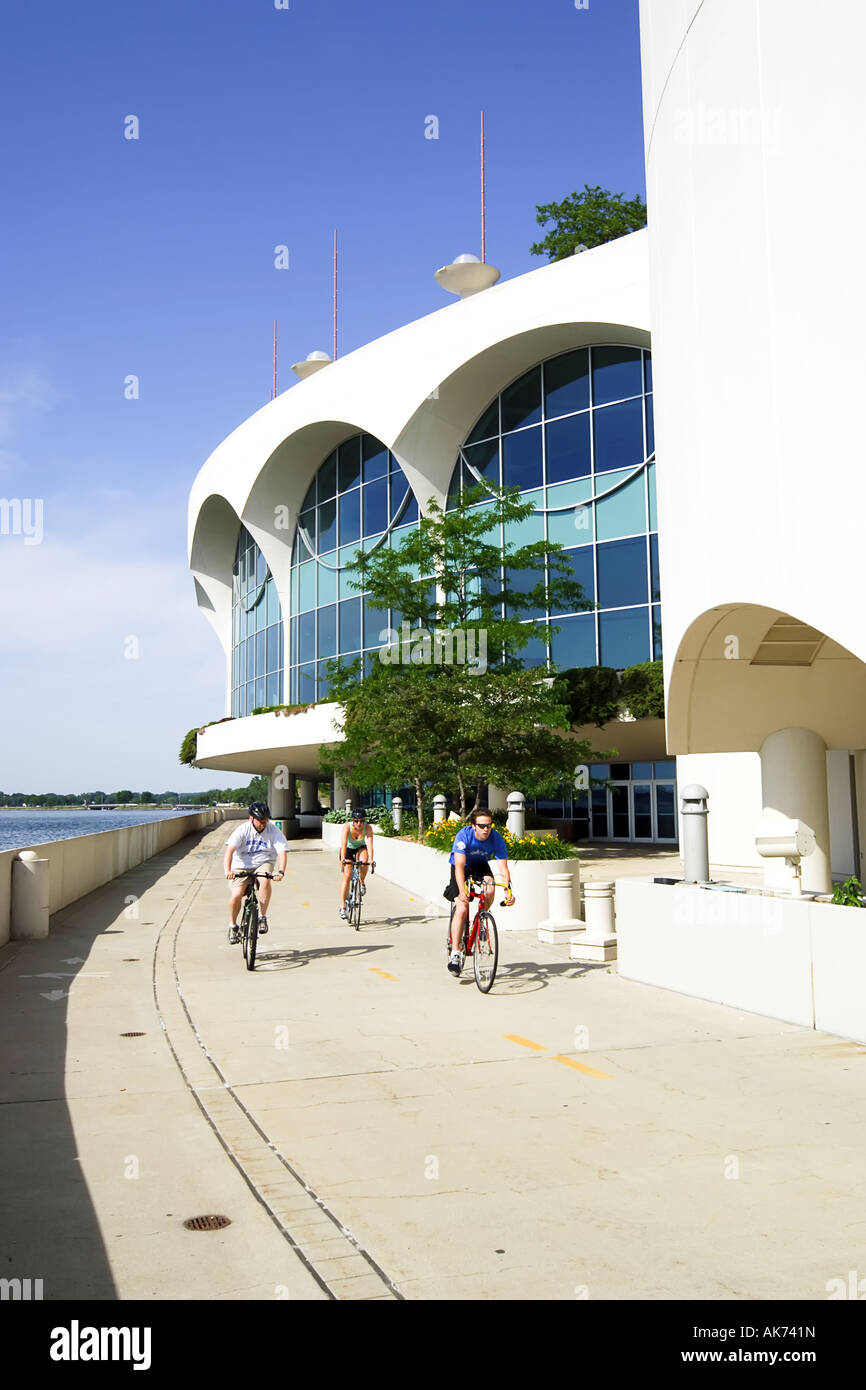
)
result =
(727, 689)
(212, 553)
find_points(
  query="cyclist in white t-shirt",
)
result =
(258, 844)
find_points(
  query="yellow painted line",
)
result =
(579, 1066)
(524, 1042)
(383, 973)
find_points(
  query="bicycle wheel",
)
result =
(355, 910)
(251, 934)
(486, 953)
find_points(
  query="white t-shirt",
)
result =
(253, 848)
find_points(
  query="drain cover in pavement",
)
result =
(207, 1223)
(133, 1035)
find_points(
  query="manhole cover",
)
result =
(207, 1223)
(133, 1035)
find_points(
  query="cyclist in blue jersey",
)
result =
(474, 846)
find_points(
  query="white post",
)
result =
(517, 814)
(29, 915)
(794, 787)
(560, 924)
(309, 797)
(438, 808)
(598, 942)
(397, 812)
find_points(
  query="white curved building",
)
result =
(755, 127)
(543, 381)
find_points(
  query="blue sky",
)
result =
(155, 257)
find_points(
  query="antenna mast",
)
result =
(483, 199)
(274, 396)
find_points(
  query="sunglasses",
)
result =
(483, 825)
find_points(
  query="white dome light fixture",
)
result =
(312, 363)
(466, 275)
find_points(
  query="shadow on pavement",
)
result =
(527, 976)
(297, 959)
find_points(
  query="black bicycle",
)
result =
(354, 895)
(250, 914)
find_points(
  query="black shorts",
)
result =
(476, 871)
(351, 852)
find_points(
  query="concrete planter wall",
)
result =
(797, 960)
(424, 872)
(79, 865)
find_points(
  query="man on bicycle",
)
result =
(356, 839)
(474, 845)
(257, 844)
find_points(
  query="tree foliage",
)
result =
(643, 690)
(587, 219)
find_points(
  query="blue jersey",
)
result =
(478, 851)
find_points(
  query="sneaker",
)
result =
(363, 889)
(343, 913)
(234, 936)
(263, 925)
(455, 964)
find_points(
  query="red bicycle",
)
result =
(482, 942)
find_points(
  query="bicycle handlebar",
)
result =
(370, 865)
(251, 873)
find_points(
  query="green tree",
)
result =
(122, 798)
(643, 690)
(587, 219)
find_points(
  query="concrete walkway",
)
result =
(374, 1129)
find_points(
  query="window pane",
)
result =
(648, 368)
(488, 424)
(274, 662)
(521, 459)
(328, 525)
(599, 813)
(619, 812)
(307, 637)
(665, 813)
(651, 493)
(522, 582)
(484, 458)
(618, 436)
(641, 770)
(327, 478)
(307, 586)
(654, 569)
(310, 500)
(261, 653)
(521, 402)
(622, 513)
(328, 631)
(306, 685)
(375, 621)
(375, 507)
(251, 658)
(411, 513)
(349, 468)
(574, 644)
(525, 532)
(657, 632)
(620, 772)
(259, 692)
(350, 518)
(624, 637)
(273, 603)
(324, 686)
(375, 458)
(666, 769)
(580, 570)
(616, 374)
(272, 689)
(327, 582)
(568, 452)
(650, 426)
(622, 576)
(260, 613)
(535, 651)
(643, 818)
(350, 625)
(307, 527)
(566, 383)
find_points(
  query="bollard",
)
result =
(560, 924)
(696, 854)
(598, 942)
(438, 808)
(517, 814)
(29, 915)
(348, 806)
(397, 812)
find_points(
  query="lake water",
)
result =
(18, 828)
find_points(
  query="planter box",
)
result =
(424, 872)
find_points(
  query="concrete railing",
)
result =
(79, 865)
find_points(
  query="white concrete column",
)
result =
(29, 912)
(439, 809)
(309, 796)
(794, 787)
(340, 795)
(497, 799)
(517, 814)
(560, 924)
(281, 800)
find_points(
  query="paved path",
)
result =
(375, 1129)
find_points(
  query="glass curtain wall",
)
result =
(575, 435)
(257, 631)
(359, 499)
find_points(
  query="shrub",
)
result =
(643, 690)
(849, 893)
(441, 836)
